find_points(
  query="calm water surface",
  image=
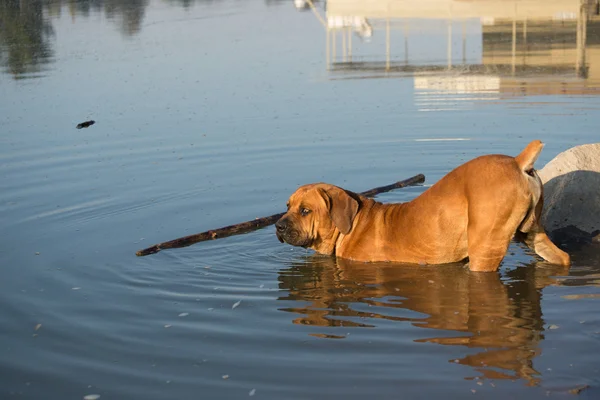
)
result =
(210, 113)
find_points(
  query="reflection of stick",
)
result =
(258, 223)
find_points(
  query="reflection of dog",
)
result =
(473, 212)
(499, 320)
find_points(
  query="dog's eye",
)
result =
(305, 212)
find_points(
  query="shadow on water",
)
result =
(497, 315)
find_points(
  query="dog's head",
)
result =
(317, 214)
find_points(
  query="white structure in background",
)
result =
(360, 25)
(459, 84)
(301, 4)
(454, 92)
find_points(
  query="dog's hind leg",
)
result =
(492, 224)
(532, 233)
(543, 247)
(485, 255)
(488, 239)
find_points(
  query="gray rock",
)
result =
(572, 190)
(572, 235)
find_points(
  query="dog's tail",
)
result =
(527, 158)
(525, 162)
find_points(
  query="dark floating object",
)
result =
(85, 124)
(249, 226)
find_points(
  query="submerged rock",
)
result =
(572, 195)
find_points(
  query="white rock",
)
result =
(572, 189)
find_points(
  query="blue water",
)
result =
(213, 113)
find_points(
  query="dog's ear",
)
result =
(342, 208)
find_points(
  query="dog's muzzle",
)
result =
(286, 233)
(280, 228)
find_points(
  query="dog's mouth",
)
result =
(279, 237)
(292, 237)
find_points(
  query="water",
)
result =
(212, 113)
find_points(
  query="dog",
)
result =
(471, 213)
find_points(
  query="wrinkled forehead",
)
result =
(306, 195)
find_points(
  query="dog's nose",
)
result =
(281, 225)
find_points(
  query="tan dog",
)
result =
(473, 212)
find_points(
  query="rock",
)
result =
(572, 235)
(572, 191)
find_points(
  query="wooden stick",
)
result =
(255, 224)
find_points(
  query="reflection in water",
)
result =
(500, 318)
(520, 47)
(26, 33)
(189, 3)
(24, 37)
(129, 14)
(525, 46)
